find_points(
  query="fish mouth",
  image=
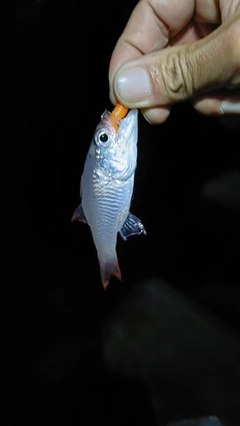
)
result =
(125, 124)
(129, 122)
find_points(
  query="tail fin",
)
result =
(108, 269)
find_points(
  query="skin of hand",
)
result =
(172, 51)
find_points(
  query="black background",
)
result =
(72, 352)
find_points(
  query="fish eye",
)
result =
(103, 137)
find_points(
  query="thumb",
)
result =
(182, 72)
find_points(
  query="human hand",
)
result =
(176, 51)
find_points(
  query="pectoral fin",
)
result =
(79, 215)
(132, 226)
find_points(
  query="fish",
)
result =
(106, 189)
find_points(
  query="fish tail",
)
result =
(109, 269)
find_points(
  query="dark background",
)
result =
(72, 352)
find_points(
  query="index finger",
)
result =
(150, 27)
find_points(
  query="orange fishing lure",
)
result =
(119, 112)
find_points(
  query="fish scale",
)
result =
(106, 189)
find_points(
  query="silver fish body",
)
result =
(106, 189)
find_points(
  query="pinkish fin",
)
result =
(109, 269)
(79, 215)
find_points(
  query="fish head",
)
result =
(116, 151)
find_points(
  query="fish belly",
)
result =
(106, 208)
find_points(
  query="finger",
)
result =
(228, 8)
(207, 11)
(181, 72)
(192, 32)
(153, 23)
(149, 29)
(218, 103)
(225, 106)
(156, 115)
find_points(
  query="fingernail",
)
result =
(228, 107)
(133, 85)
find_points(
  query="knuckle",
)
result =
(177, 76)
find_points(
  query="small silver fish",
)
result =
(106, 189)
